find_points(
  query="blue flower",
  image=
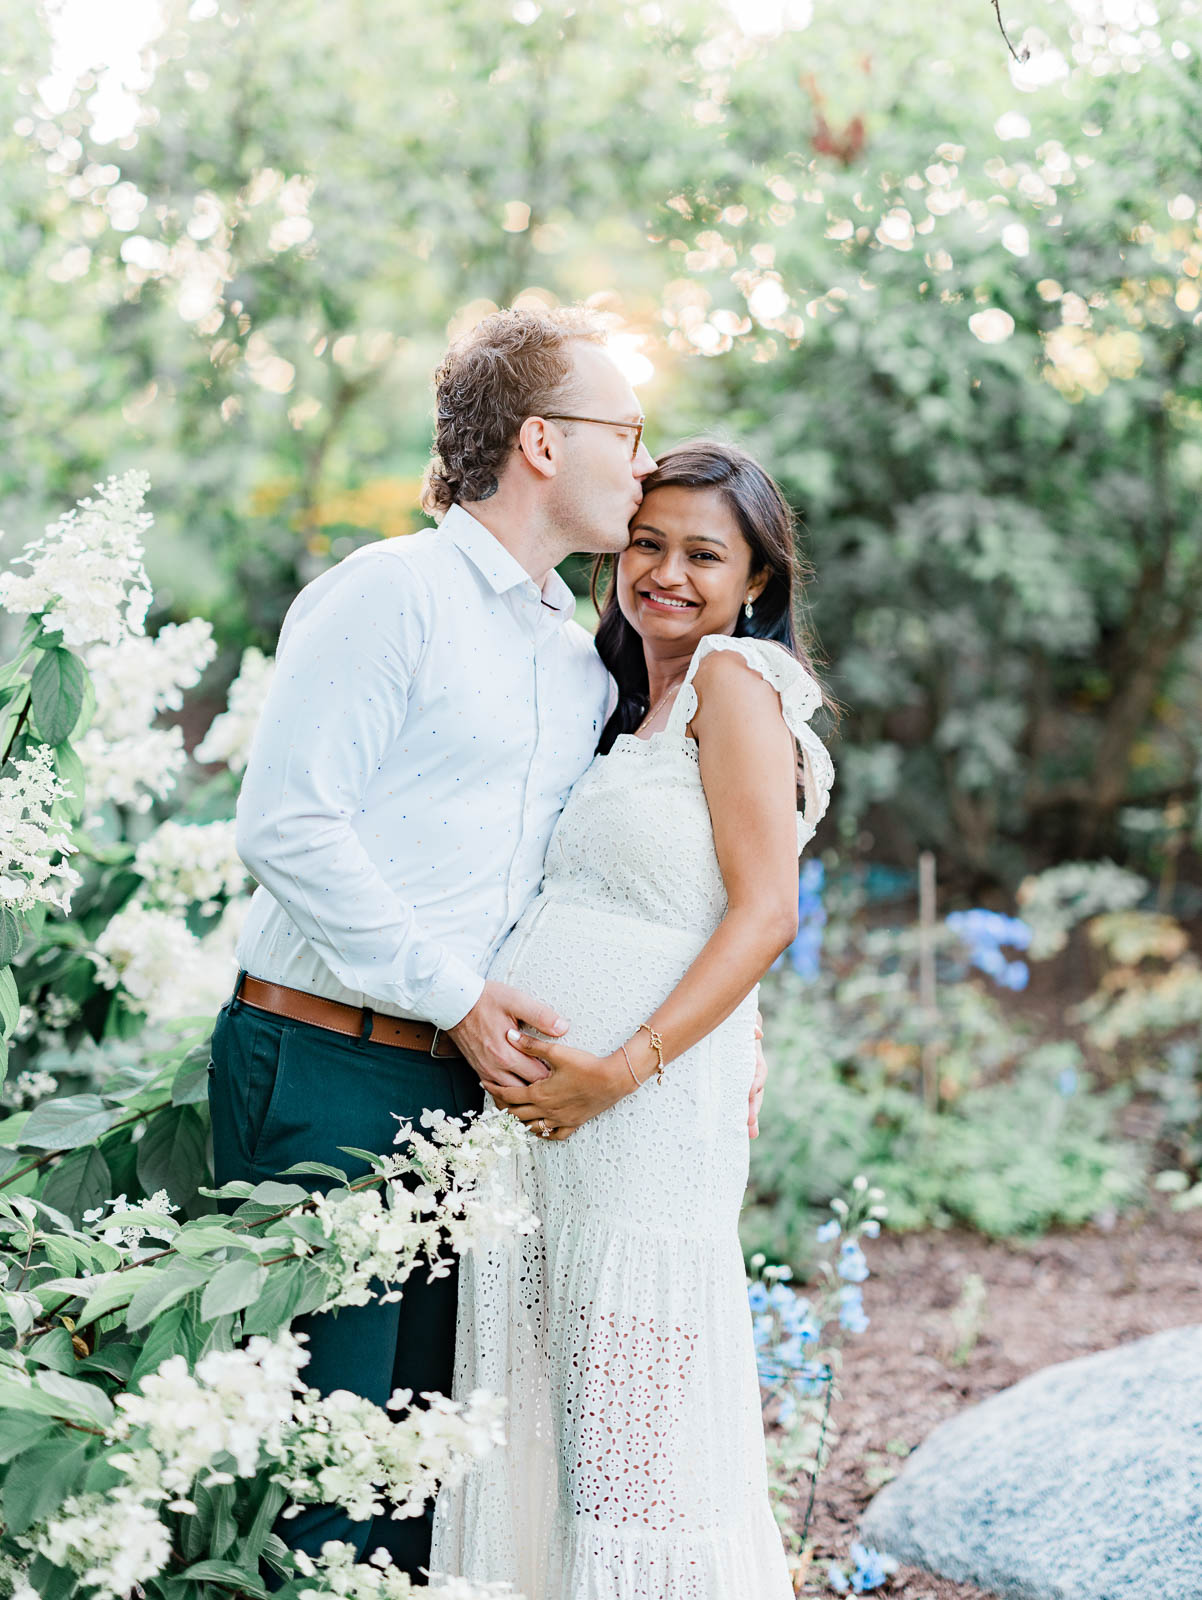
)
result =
(871, 1228)
(837, 1579)
(757, 1296)
(1066, 1082)
(852, 1266)
(871, 1569)
(828, 1231)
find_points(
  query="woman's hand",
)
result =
(580, 1087)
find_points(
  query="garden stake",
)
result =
(826, 1411)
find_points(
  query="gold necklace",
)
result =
(660, 703)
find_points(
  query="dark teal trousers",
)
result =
(283, 1091)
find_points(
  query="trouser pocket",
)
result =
(245, 1086)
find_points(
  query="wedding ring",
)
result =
(543, 1131)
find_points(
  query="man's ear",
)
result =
(540, 446)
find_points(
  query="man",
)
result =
(433, 705)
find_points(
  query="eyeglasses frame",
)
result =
(603, 422)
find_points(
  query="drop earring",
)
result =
(747, 611)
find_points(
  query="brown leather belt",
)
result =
(354, 1022)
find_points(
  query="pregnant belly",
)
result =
(670, 1154)
(603, 972)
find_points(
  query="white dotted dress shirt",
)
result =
(431, 709)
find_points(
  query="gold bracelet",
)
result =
(657, 1044)
(639, 1081)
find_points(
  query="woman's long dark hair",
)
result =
(765, 521)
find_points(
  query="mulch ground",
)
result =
(924, 1357)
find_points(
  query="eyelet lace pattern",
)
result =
(620, 1332)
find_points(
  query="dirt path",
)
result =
(1058, 1297)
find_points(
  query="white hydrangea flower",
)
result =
(30, 838)
(86, 574)
(113, 1541)
(191, 862)
(165, 970)
(238, 1402)
(336, 1573)
(231, 732)
(127, 760)
(347, 1452)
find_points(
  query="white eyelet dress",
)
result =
(620, 1332)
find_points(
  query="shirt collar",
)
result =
(499, 569)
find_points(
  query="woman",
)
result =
(620, 1331)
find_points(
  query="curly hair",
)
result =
(511, 366)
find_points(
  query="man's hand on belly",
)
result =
(580, 1086)
(482, 1036)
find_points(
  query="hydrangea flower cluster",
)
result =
(342, 1450)
(166, 971)
(231, 732)
(463, 1199)
(86, 575)
(33, 846)
(114, 1541)
(238, 1403)
(869, 1570)
(191, 863)
(985, 933)
(336, 1574)
(127, 760)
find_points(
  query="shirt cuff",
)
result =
(452, 993)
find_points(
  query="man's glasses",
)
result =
(636, 427)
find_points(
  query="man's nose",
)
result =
(644, 462)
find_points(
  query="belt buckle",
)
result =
(434, 1043)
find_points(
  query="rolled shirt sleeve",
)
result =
(337, 706)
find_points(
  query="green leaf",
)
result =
(42, 1479)
(164, 1288)
(20, 1431)
(164, 1339)
(71, 775)
(53, 1349)
(114, 1291)
(65, 1124)
(190, 1086)
(277, 1195)
(80, 1182)
(78, 1402)
(228, 1576)
(200, 1238)
(114, 1360)
(236, 1285)
(10, 935)
(250, 1546)
(51, 1582)
(10, 1005)
(57, 689)
(87, 710)
(274, 1308)
(171, 1154)
(316, 1169)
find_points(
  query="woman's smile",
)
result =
(657, 600)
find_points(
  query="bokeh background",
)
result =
(938, 267)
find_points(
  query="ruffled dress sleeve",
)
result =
(800, 697)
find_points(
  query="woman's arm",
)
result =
(749, 773)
